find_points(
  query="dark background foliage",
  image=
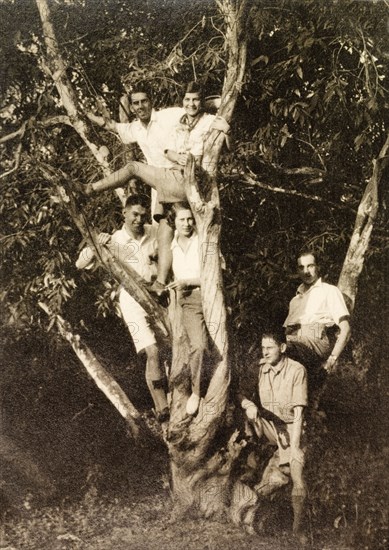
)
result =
(311, 118)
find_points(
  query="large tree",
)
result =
(310, 129)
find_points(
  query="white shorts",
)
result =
(136, 321)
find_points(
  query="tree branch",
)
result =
(13, 135)
(103, 380)
(255, 183)
(56, 68)
(17, 157)
(363, 227)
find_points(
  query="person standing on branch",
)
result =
(276, 411)
(135, 245)
(187, 137)
(318, 323)
(186, 270)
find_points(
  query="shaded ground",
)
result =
(144, 525)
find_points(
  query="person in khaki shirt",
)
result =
(279, 417)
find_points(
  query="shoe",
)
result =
(192, 404)
(160, 292)
(82, 189)
(163, 416)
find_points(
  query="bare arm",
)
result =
(295, 440)
(181, 284)
(86, 257)
(102, 122)
(340, 344)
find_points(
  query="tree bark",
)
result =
(363, 227)
(201, 475)
(103, 380)
(128, 278)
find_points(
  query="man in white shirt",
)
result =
(151, 130)
(135, 245)
(316, 312)
(187, 135)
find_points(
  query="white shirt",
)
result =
(320, 303)
(186, 265)
(183, 139)
(152, 139)
(136, 253)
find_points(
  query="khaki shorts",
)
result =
(279, 436)
(168, 182)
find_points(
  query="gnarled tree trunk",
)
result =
(203, 448)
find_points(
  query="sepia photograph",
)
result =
(194, 274)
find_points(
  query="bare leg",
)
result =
(156, 380)
(114, 180)
(165, 237)
(299, 493)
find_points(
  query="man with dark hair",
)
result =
(276, 410)
(187, 136)
(150, 130)
(317, 325)
(135, 245)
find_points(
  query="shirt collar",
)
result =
(153, 118)
(301, 288)
(277, 368)
(189, 125)
(191, 239)
(131, 236)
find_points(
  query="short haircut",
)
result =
(140, 88)
(308, 252)
(174, 208)
(135, 200)
(275, 333)
(193, 87)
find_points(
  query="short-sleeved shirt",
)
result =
(186, 138)
(321, 303)
(135, 253)
(186, 265)
(283, 387)
(152, 139)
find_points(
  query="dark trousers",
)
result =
(196, 330)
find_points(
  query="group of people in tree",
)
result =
(295, 358)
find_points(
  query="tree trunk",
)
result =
(202, 448)
(364, 224)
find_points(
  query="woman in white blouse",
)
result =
(186, 270)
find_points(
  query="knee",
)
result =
(152, 353)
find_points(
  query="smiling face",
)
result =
(135, 218)
(184, 223)
(272, 351)
(192, 104)
(141, 106)
(307, 269)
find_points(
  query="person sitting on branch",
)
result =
(151, 131)
(187, 136)
(135, 245)
(276, 411)
(318, 324)
(186, 270)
